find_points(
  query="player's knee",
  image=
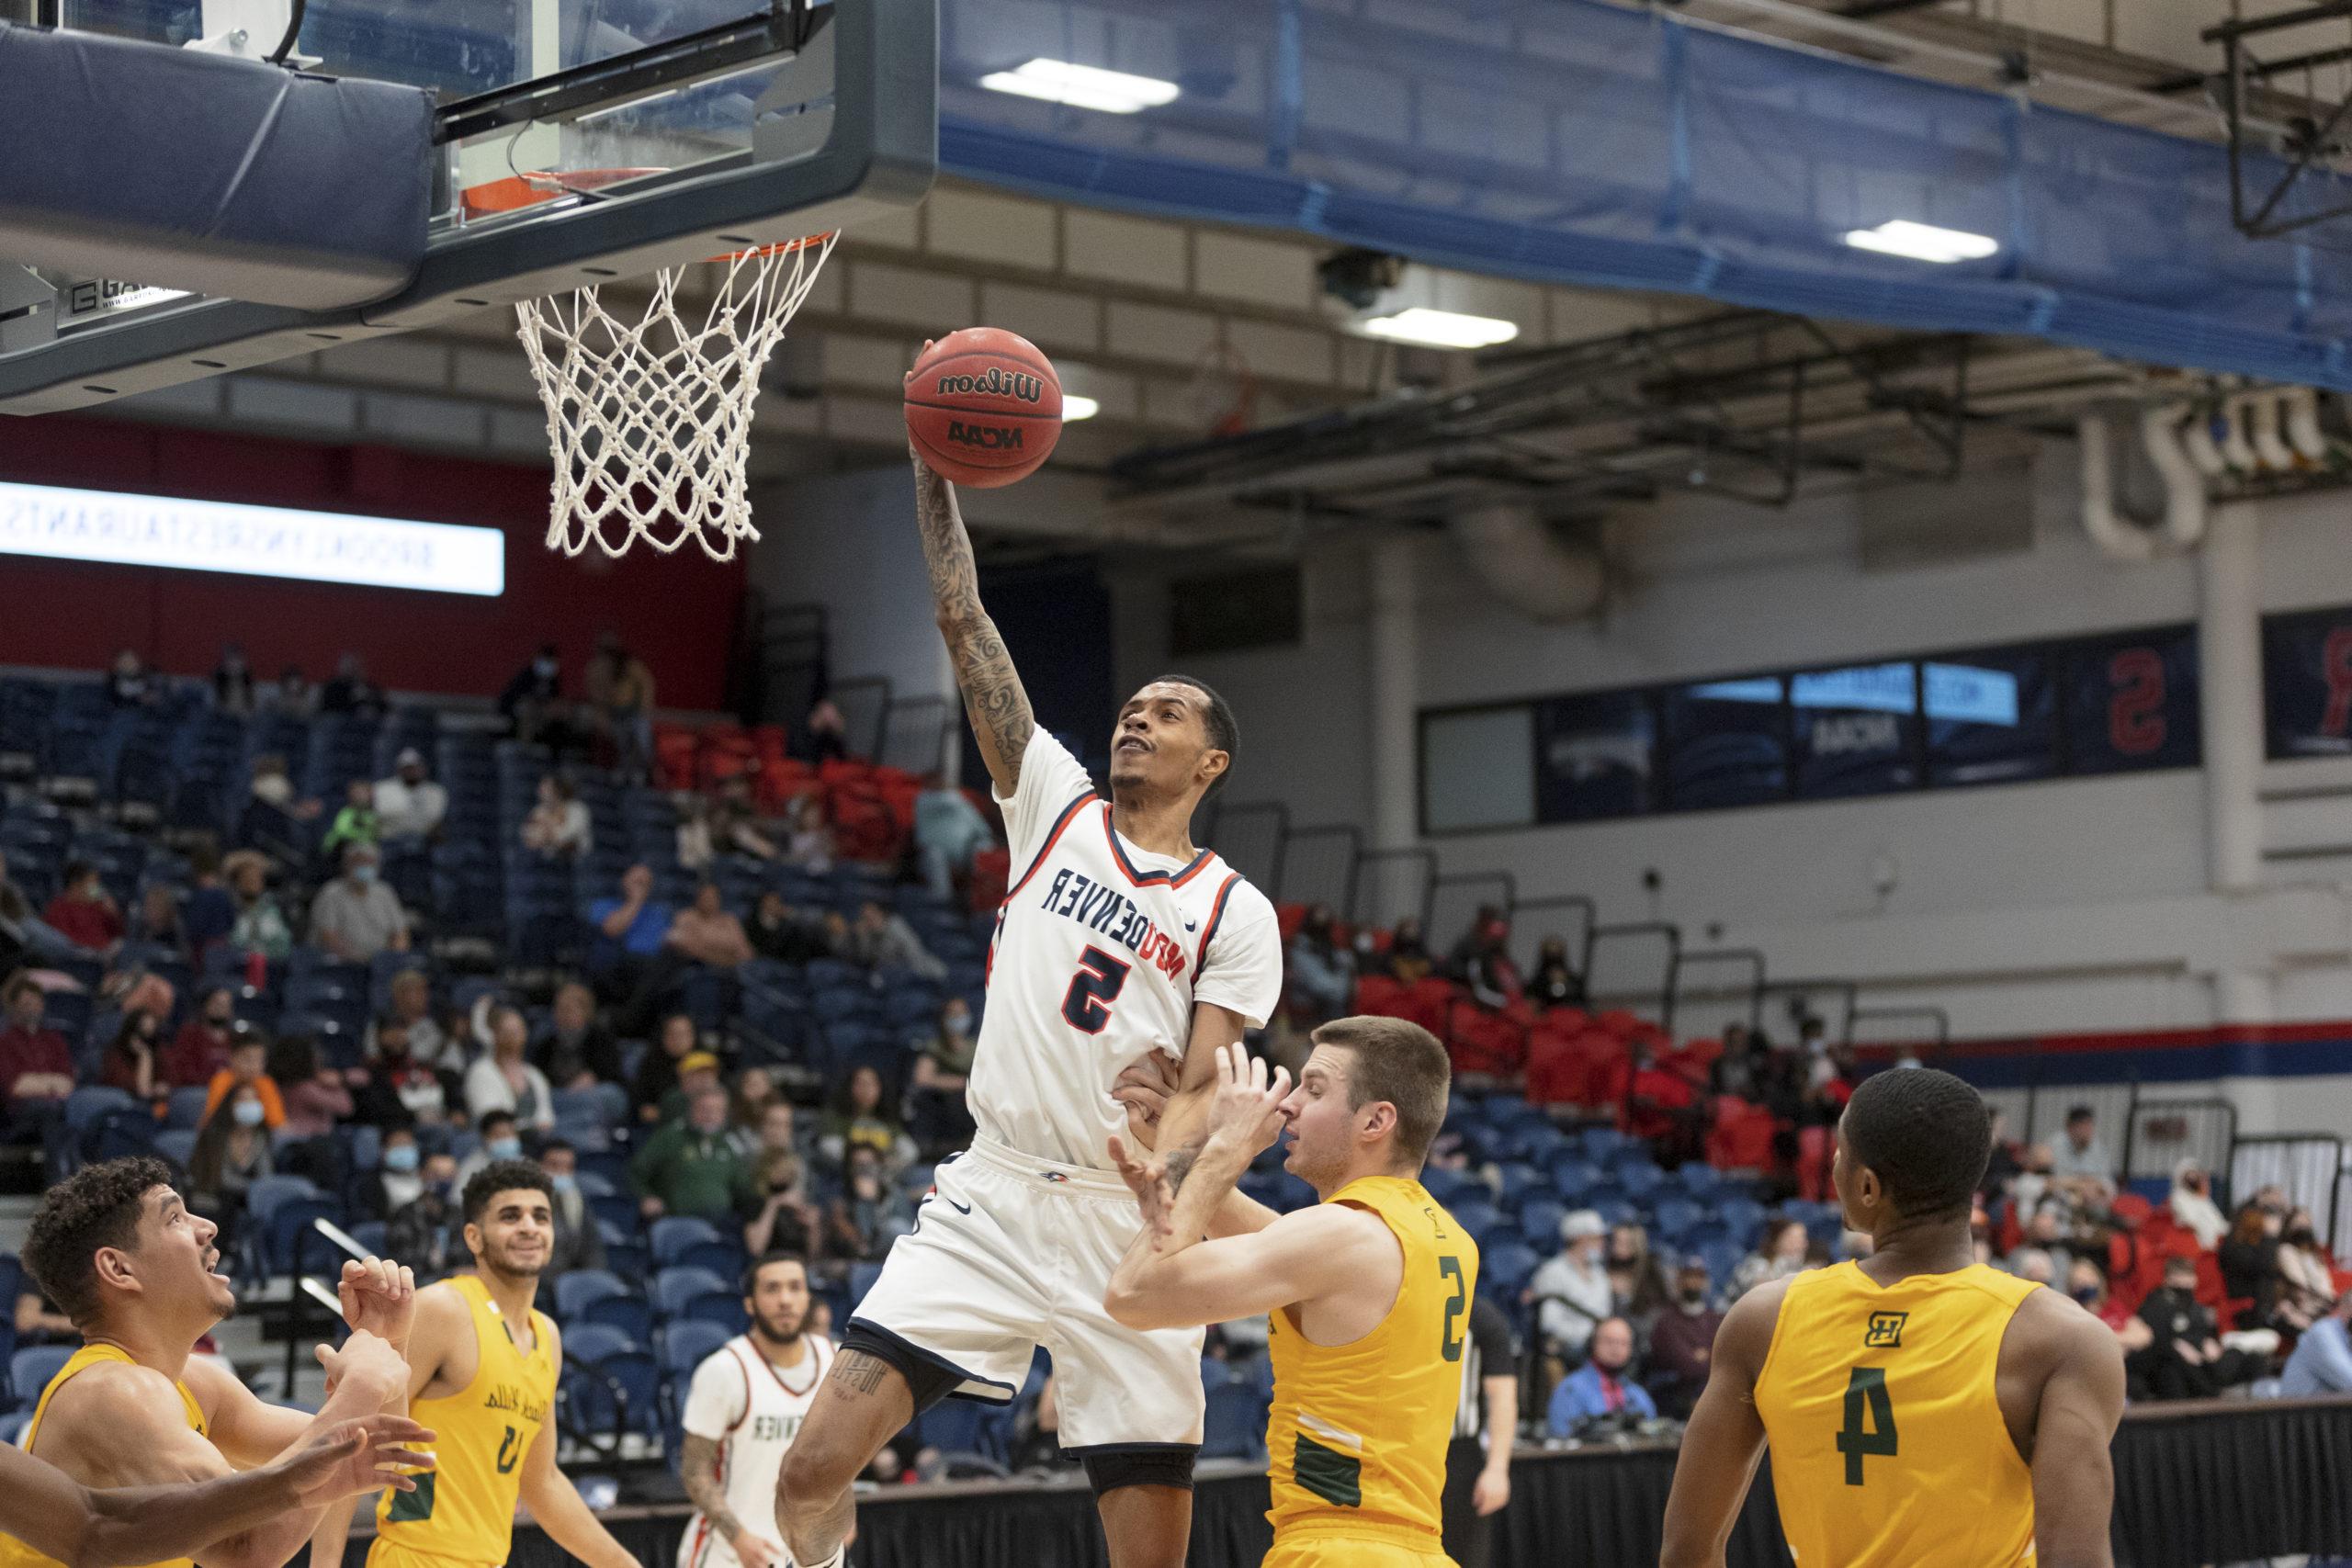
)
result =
(816, 1474)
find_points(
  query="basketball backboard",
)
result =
(578, 140)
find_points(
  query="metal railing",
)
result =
(1741, 1001)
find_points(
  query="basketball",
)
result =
(984, 407)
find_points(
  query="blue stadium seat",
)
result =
(1539, 1221)
(1235, 1425)
(292, 1247)
(576, 1290)
(673, 1233)
(1701, 1180)
(29, 1371)
(1507, 1268)
(723, 1257)
(673, 1287)
(721, 1308)
(687, 1343)
(1572, 1178)
(592, 1343)
(633, 1315)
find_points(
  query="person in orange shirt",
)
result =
(246, 1058)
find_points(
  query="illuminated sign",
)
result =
(253, 541)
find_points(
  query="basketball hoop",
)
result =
(650, 413)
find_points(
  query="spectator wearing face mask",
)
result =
(410, 807)
(420, 1233)
(1482, 962)
(248, 1068)
(776, 1208)
(201, 1047)
(232, 1153)
(938, 1118)
(131, 1060)
(870, 1213)
(2193, 1207)
(2307, 1284)
(1682, 1341)
(858, 1119)
(2186, 1357)
(1555, 984)
(400, 1089)
(398, 1179)
(2089, 1287)
(357, 916)
(1603, 1386)
(532, 694)
(1408, 958)
(501, 1138)
(577, 1244)
(1573, 1291)
(2249, 1259)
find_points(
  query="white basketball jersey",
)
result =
(1102, 949)
(752, 1409)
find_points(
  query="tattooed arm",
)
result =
(992, 692)
(698, 1468)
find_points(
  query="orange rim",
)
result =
(515, 192)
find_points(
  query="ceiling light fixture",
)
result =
(1083, 86)
(1923, 242)
(1075, 407)
(1442, 328)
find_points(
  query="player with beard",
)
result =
(482, 1368)
(116, 1248)
(744, 1408)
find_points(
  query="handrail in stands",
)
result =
(1681, 962)
(1666, 931)
(1419, 854)
(1351, 836)
(1936, 1016)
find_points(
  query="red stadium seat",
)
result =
(1741, 1138)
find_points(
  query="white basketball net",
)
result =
(651, 420)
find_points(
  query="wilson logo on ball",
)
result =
(997, 383)
(995, 438)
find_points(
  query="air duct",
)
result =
(2262, 422)
(2303, 426)
(1525, 565)
(2183, 523)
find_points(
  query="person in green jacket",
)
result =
(691, 1166)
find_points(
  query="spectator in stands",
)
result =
(870, 1213)
(825, 733)
(357, 915)
(2089, 1287)
(620, 687)
(130, 685)
(811, 844)
(858, 1119)
(2187, 1358)
(401, 1089)
(734, 823)
(36, 1063)
(2032, 1264)
(533, 694)
(1662, 1106)
(501, 1139)
(577, 1243)
(1636, 1287)
(2045, 1232)
(696, 849)
(1321, 973)
(657, 1070)
(1408, 958)
(779, 932)
(2002, 1168)
(577, 1051)
(2079, 1159)
(1572, 1291)
(777, 1212)
(39, 1319)
(248, 1067)
(1603, 1387)
(705, 933)
(355, 823)
(1682, 1341)
(231, 1152)
(938, 1118)
(274, 811)
(351, 692)
(129, 1062)
(398, 1179)
(290, 694)
(1482, 962)
(430, 1042)
(420, 1233)
(260, 924)
(201, 1047)
(691, 1166)
(634, 927)
(2193, 1205)
(317, 1100)
(881, 939)
(21, 930)
(158, 922)
(1556, 985)
(233, 689)
(2321, 1363)
(208, 911)
(698, 1070)
(557, 827)
(748, 1106)
(1778, 1254)
(2249, 1261)
(409, 806)
(83, 913)
(502, 1078)
(949, 831)
(2306, 1282)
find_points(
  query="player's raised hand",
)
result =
(1145, 1087)
(365, 1355)
(380, 1296)
(1148, 1179)
(1247, 1111)
(351, 1457)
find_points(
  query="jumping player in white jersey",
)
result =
(743, 1409)
(1117, 937)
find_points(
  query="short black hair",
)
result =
(489, 1116)
(1224, 732)
(96, 1206)
(553, 1146)
(503, 1176)
(774, 1255)
(1926, 1135)
(2080, 1113)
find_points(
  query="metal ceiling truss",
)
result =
(2311, 147)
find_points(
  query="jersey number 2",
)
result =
(510, 1449)
(1097, 983)
(1449, 1268)
(1870, 1421)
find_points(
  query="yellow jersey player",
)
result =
(1922, 1410)
(482, 1368)
(117, 1250)
(1368, 1292)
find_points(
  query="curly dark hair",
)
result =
(501, 1175)
(96, 1206)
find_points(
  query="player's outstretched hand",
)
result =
(1145, 1087)
(380, 1296)
(354, 1457)
(1148, 1179)
(364, 1355)
(921, 468)
(1247, 1111)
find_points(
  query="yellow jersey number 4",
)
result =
(1870, 1421)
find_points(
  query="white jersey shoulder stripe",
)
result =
(1061, 825)
(1208, 927)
